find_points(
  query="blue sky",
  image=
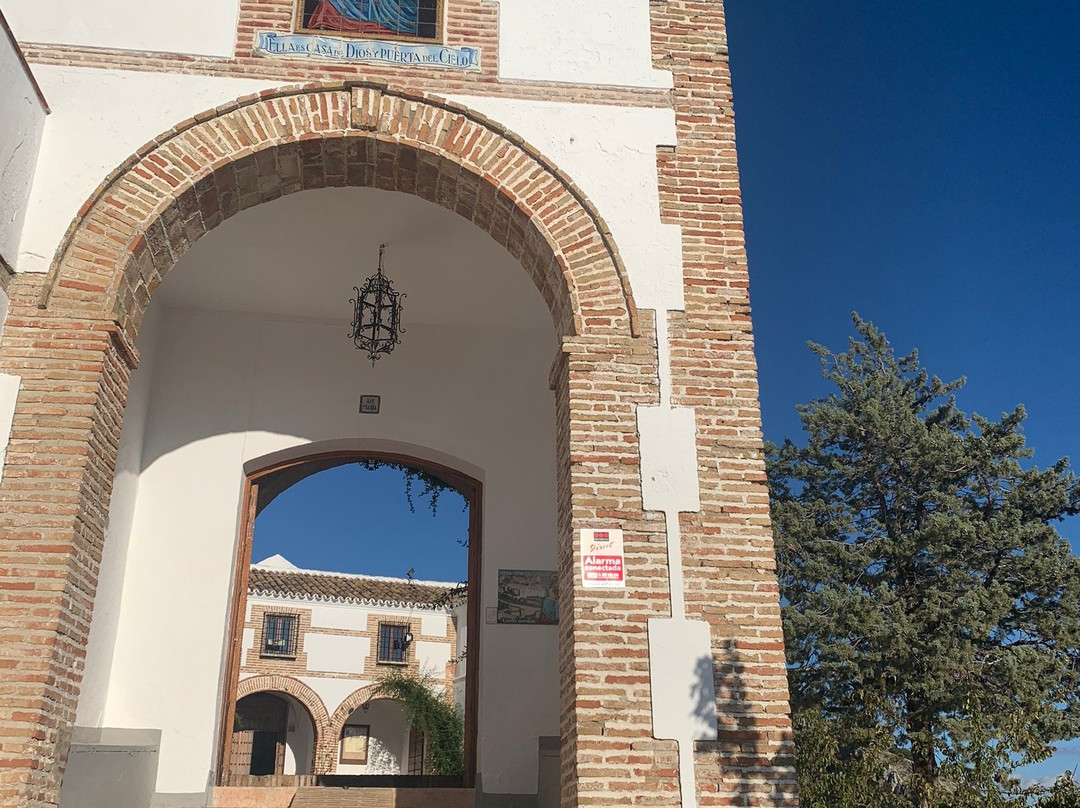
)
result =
(349, 519)
(916, 162)
(919, 163)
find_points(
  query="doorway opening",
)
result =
(354, 653)
(273, 735)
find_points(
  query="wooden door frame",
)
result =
(469, 487)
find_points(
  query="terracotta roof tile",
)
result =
(323, 586)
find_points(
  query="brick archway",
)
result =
(70, 336)
(356, 699)
(190, 179)
(303, 694)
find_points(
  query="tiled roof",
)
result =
(357, 588)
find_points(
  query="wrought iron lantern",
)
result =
(376, 323)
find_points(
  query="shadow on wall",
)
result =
(218, 374)
(742, 760)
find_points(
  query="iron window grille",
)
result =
(279, 635)
(394, 639)
(417, 744)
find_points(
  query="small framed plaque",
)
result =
(528, 597)
(354, 743)
(369, 405)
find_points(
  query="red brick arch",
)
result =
(70, 337)
(293, 687)
(358, 698)
(320, 718)
(190, 179)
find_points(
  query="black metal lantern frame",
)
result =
(376, 323)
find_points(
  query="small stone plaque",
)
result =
(369, 405)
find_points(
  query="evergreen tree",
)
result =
(931, 609)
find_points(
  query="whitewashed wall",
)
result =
(599, 42)
(228, 388)
(595, 42)
(107, 602)
(198, 27)
(100, 118)
(299, 738)
(22, 114)
(388, 739)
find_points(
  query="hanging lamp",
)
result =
(376, 323)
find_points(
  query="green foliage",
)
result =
(931, 609)
(435, 716)
(432, 487)
(1064, 793)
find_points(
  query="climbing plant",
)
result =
(432, 487)
(434, 714)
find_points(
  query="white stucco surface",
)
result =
(433, 625)
(247, 642)
(669, 480)
(299, 737)
(108, 603)
(230, 387)
(433, 656)
(595, 42)
(388, 741)
(9, 395)
(610, 152)
(23, 117)
(199, 27)
(99, 118)
(334, 654)
(344, 616)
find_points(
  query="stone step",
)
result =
(333, 797)
(329, 797)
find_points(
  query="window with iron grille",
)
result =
(417, 742)
(279, 635)
(394, 641)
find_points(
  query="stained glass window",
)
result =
(373, 19)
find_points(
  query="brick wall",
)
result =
(727, 546)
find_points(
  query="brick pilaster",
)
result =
(728, 555)
(53, 502)
(609, 755)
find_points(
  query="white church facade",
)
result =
(195, 201)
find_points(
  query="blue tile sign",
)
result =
(268, 43)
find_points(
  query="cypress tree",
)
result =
(931, 608)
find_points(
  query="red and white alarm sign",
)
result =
(602, 559)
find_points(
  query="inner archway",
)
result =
(273, 735)
(418, 636)
(247, 371)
